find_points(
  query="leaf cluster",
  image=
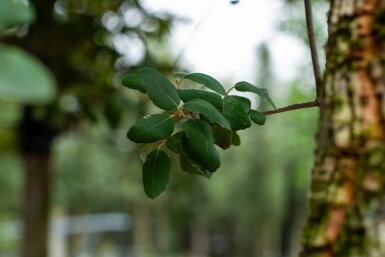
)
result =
(193, 122)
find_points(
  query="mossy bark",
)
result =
(346, 199)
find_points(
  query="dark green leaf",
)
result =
(243, 102)
(208, 111)
(187, 164)
(156, 172)
(224, 138)
(201, 144)
(190, 94)
(151, 128)
(146, 149)
(173, 143)
(262, 92)
(160, 90)
(132, 81)
(235, 113)
(207, 81)
(258, 117)
(180, 75)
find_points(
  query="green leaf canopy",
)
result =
(24, 78)
(244, 86)
(151, 128)
(207, 81)
(201, 144)
(257, 117)
(132, 81)
(160, 90)
(234, 111)
(156, 171)
(211, 97)
(208, 111)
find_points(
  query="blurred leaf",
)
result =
(24, 78)
(208, 111)
(213, 98)
(257, 117)
(201, 144)
(156, 172)
(234, 112)
(244, 86)
(205, 80)
(225, 138)
(113, 111)
(160, 90)
(14, 12)
(186, 163)
(151, 128)
(132, 81)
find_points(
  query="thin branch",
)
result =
(313, 48)
(293, 107)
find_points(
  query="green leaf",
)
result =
(257, 117)
(24, 78)
(132, 81)
(225, 138)
(243, 102)
(213, 98)
(187, 164)
(234, 112)
(205, 80)
(201, 144)
(156, 171)
(244, 86)
(173, 143)
(15, 12)
(160, 90)
(208, 111)
(146, 149)
(151, 128)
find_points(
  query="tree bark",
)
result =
(348, 179)
(35, 144)
(36, 206)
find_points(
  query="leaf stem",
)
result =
(228, 91)
(313, 48)
(293, 107)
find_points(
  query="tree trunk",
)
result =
(346, 201)
(36, 204)
(36, 141)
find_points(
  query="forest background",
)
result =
(255, 205)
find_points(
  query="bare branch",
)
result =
(313, 48)
(293, 107)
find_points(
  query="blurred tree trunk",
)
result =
(347, 208)
(36, 141)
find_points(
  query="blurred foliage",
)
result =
(14, 13)
(23, 78)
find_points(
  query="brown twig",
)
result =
(313, 48)
(293, 107)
